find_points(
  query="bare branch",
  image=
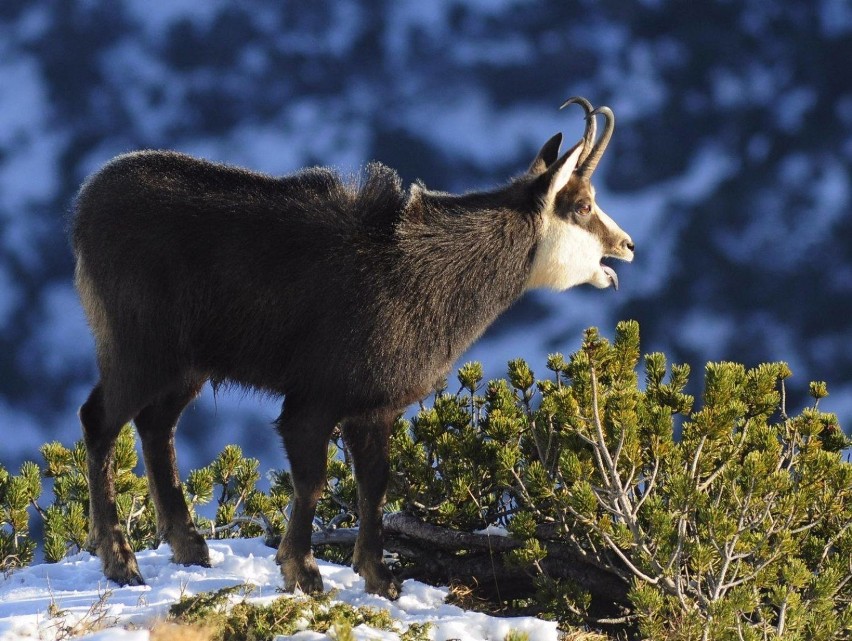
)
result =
(648, 489)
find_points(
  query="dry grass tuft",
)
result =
(64, 625)
(584, 636)
(167, 631)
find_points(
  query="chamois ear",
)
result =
(558, 174)
(547, 156)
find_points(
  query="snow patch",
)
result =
(75, 583)
(493, 530)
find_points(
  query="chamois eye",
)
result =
(584, 209)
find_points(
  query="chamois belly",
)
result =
(403, 372)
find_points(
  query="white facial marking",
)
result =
(567, 255)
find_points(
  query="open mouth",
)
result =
(610, 273)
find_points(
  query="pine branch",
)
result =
(440, 554)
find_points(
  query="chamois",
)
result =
(349, 300)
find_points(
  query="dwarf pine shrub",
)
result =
(739, 528)
(228, 616)
(17, 494)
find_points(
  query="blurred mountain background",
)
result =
(730, 164)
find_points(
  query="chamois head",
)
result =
(575, 234)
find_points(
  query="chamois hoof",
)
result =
(123, 569)
(117, 559)
(382, 582)
(129, 580)
(305, 576)
(391, 589)
(190, 548)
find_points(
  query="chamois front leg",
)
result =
(305, 435)
(368, 441)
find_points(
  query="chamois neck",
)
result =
(466, 259)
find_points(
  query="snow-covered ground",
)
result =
(72, 586)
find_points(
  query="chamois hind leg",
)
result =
(368, 442)
(102, 418)
(305, 433)
(156, 425)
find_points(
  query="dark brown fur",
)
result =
(350, 301)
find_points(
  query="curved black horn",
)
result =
(591, 126)
(597, 151)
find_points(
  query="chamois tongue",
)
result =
(610, 272)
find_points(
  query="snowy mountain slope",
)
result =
(74, 584)
(729, 165)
